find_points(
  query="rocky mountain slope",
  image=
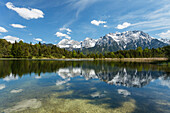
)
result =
(115, 41)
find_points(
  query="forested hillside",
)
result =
(25, 50)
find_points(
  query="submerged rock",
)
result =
(97, 95)
(2, 86)
(23, 105)
(123, 92)
(16, 91)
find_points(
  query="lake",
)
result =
(32, 86)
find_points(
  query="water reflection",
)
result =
(114, 73)
(98, 86)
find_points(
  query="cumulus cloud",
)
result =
(105, 26)
(18, 26)
(124, 25)
(59, 34)
(97, 23)
(11, 39)
(38, 39)
(164, 34)
(26, 13)
(66, 29)
(3, 29)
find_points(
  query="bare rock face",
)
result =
(115, 41)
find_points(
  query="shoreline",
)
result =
(92, 59)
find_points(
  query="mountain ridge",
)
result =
(114, 42)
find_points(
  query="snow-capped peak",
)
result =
(67, 43)
(118, 41)
(88, 43)
(87, 38)
(165, 40)
(126, 37)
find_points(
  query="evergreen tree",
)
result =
(112, 55)
(127, 55)
(139, 52)
(120, 55)
(167, 51)
(20, 52)
(14, 49)
(100, 55)
(74, 54)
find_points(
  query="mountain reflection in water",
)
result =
(114, 73)
(32, 86)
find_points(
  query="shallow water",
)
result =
(83, 86)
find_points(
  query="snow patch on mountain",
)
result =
(67, 43)
(119, 41)
(88, 42)
(165, 40)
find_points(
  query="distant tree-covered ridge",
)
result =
(25, 50)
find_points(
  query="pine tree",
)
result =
(14, 49)
(139, 52)
(74, 54)
(167, 51)
(20, 52)
(100, 55)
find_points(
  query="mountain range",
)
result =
(114, 42)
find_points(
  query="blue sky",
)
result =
(51, 21)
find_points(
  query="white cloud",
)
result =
(150, 20)
(66, 29)
(59, 34)
(3, 29)
(18, 26)
(105, 26)
(27, 13)
(97, 23)
(164, 34)
(68, 33)
(80, 5)
(38, 39)
(11, 38)
(124, 25)
(0, 34)
(30, 34)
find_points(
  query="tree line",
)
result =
(25, 50)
